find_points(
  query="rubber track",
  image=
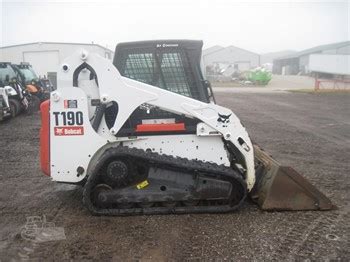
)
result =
(170, 163)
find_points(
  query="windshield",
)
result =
(173, 66)
(28, 74)
(6, 70)
(162, 69)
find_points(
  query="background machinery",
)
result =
(144, 136)
(39, 87)
(19, 99)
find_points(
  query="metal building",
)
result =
(236, 57)
(45, 57)
(299, 62)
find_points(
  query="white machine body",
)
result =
(74, 142)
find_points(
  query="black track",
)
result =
(239, 191)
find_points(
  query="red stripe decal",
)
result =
(45, 137)
(160, 127)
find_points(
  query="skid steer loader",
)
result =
(144, 136)
(37, 86)
(19, 99)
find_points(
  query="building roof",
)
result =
(215, 49)
(315, 49)
(269, 57)
(212, 49)
(61, 43)
(232, 46)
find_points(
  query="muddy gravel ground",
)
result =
(309, 132)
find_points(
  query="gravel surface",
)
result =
(309, 132)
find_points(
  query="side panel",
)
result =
(73, 141)
(210, 148)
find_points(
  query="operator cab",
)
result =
(173, 65)
(7, 74)
(26, 73)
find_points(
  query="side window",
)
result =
(140, 67)
(167, 70)
(6, 70)
(174, 74)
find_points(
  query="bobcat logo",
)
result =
(224, 119)
(59, 131)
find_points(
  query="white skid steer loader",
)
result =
(144, 136)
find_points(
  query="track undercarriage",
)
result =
(129, 181)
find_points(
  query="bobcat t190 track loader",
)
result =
(144, 136)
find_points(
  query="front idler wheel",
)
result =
(97, 194)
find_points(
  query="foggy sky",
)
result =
(259, 26)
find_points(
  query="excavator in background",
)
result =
(144, 135)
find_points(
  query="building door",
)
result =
(43, 61)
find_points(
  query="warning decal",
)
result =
(70, 103)
(69, 131)
(142, 184)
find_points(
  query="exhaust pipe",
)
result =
(281, 188)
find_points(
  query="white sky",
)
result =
(260, 26)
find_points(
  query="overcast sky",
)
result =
(260, 26)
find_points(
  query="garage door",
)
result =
(43, 61)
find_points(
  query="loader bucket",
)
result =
(282, 188)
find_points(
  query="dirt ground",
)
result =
(307, 131)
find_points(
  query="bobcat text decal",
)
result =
(68, 123)
(69, 131)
